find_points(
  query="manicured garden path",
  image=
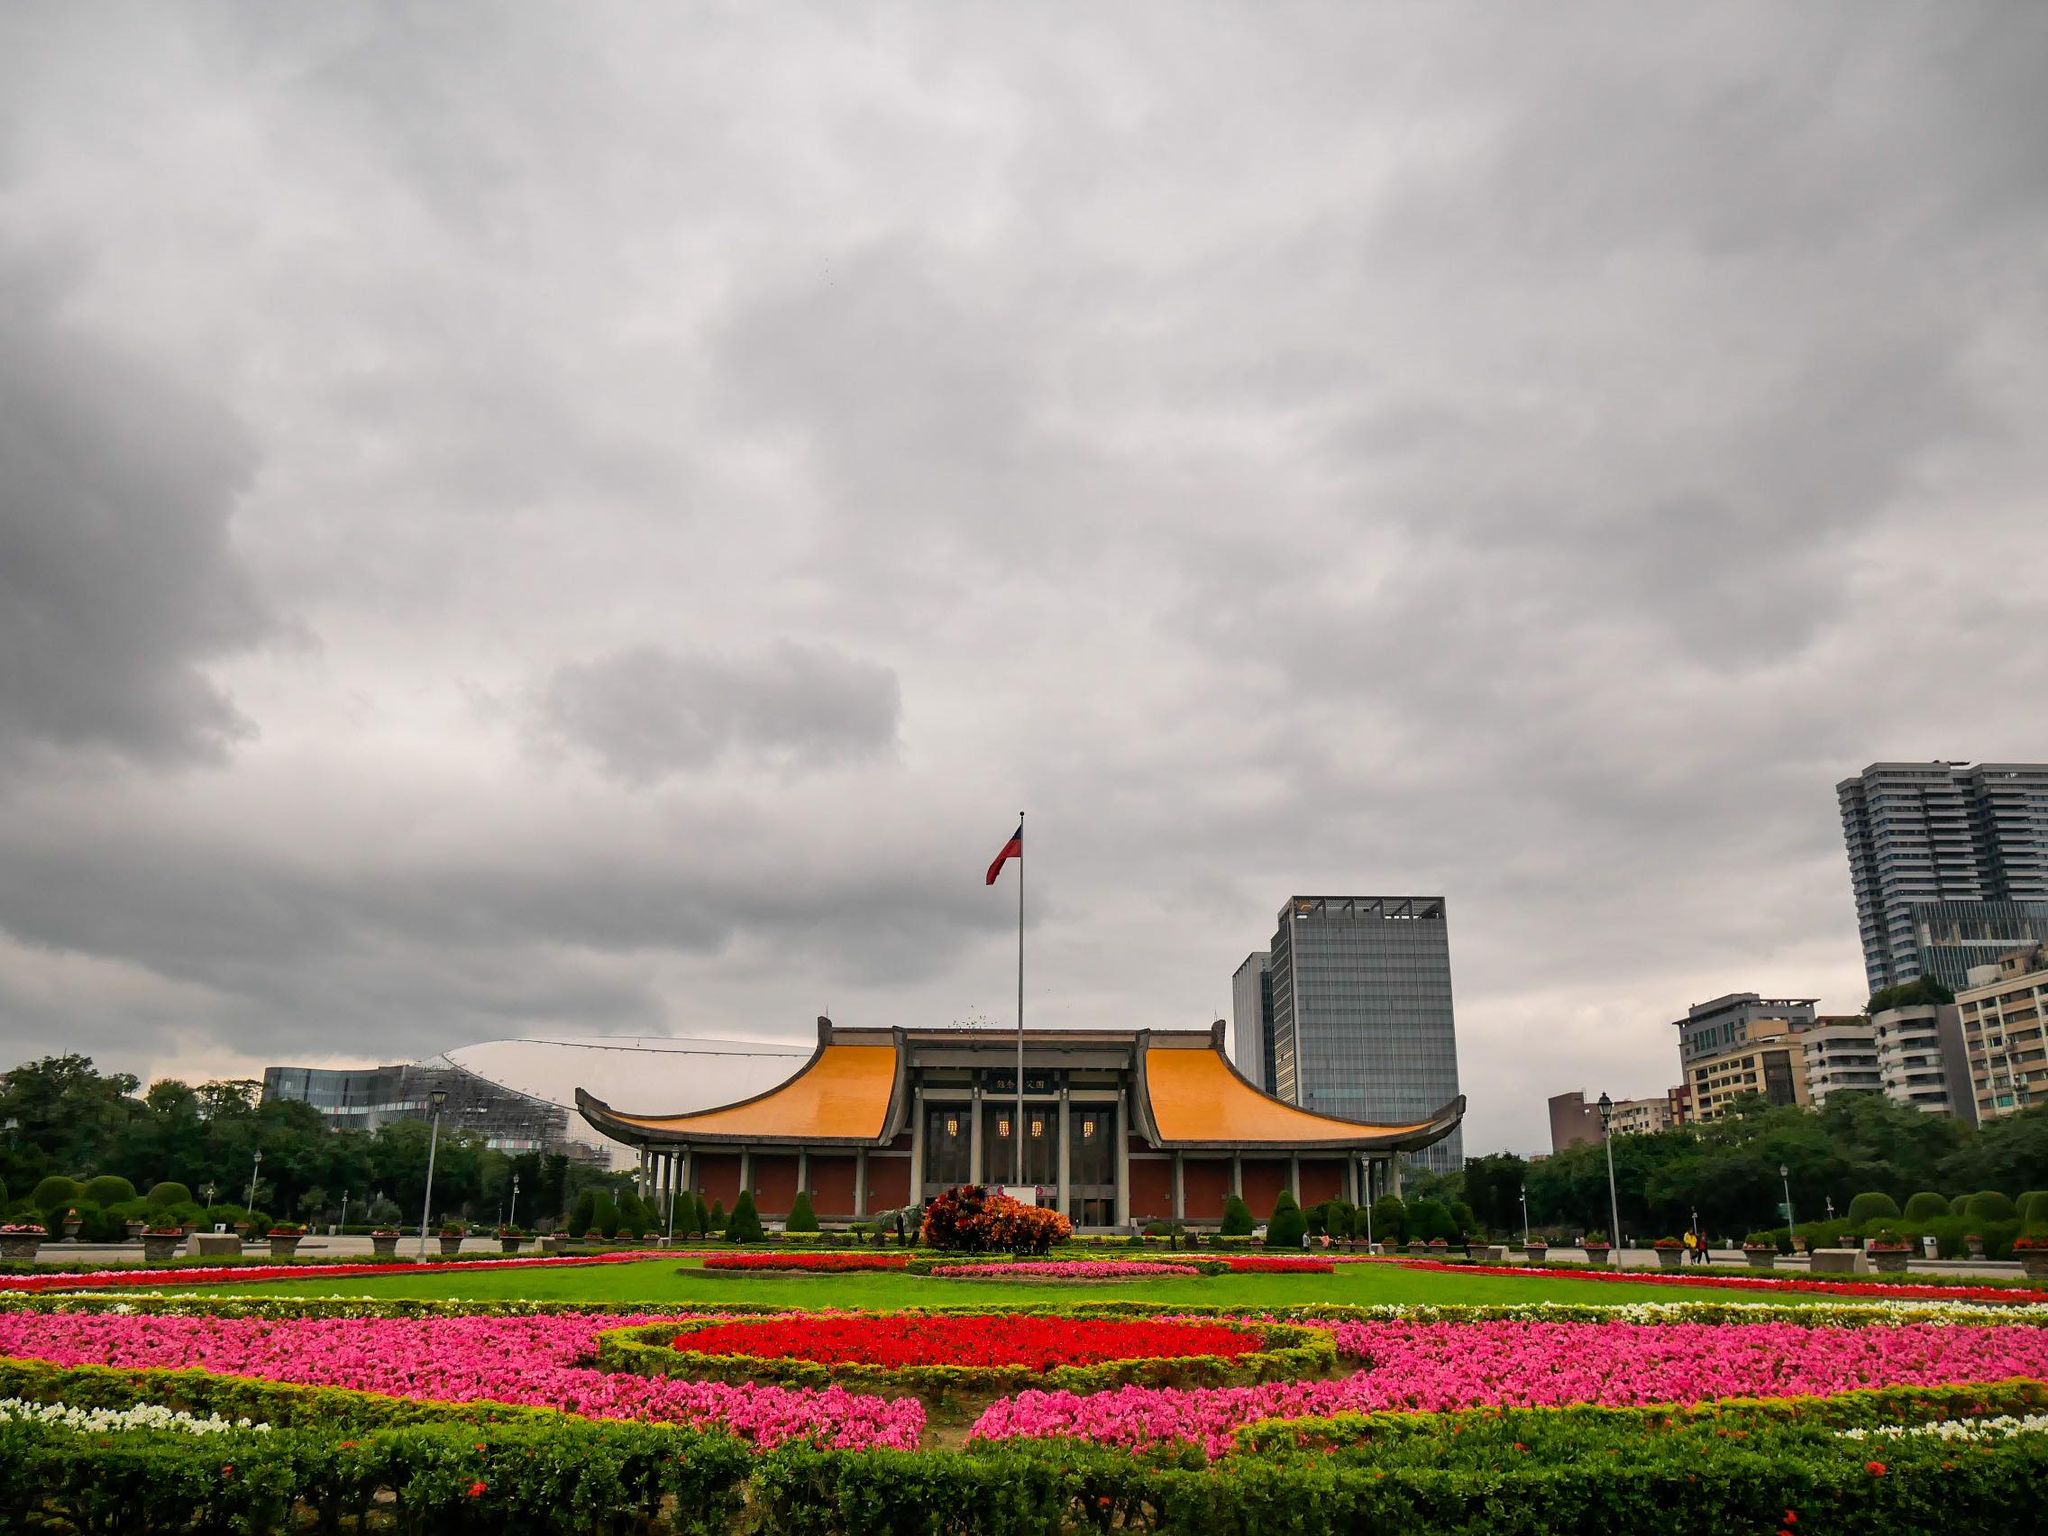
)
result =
(680, 1282)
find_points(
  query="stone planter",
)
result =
(384, 1244)
(548, 1245)
(1889, 1261)
(1598, 1254)
(1419, 1250)
(158, 1247)
(1760, 1258)
(19, 1247)
(1671, 1258)
(450, 1246)
(283, 1247)
(71, 1226)
(2034, 1261)
(136, 1229)
(1976, 1247)
(1536, 1252)
(509, 1244)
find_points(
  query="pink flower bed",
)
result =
(215, 1274)
(1271, 1264)
(1431, 1367)
(1066, 1269)
(1868, 1290)
(529, 1360)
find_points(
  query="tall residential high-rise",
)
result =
(1949, 862)
(1361, 1011)
(1251, 1019)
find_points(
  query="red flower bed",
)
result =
(811, 1263)
(1039, 1343)
(1273, 1264)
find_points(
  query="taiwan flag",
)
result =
(1013, 849)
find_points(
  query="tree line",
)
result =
(63, 1117)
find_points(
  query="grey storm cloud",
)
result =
(514, 518)
(118, 582)
(647, 712)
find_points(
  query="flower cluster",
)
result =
(2000, 1428)
(209, 1274)
(1037, 1343)
(1271, 1264)
(1433, 1367)
(828, 1263)
(141, 1416)
(1067, 1269)
(528, 1360)
(977, 1218)
(1896, 1290)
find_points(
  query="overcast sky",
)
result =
(594, 519)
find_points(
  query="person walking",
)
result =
(1692, 1240)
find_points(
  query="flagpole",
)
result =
(1019, 1130)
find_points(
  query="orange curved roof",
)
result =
(1196, 1097)
(843, 1095)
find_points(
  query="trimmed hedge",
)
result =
(1873, 1207)
(1925, 1206)
(1739, 1464)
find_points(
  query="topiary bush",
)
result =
(1873, 1207)
(714, 1224)
(745, 1225)
(1990, 1205)
(168, 1193)
(1237, 1218)
(1389, 1219)
(604, 1215)
(1287, 1226)
(801, 1217)
(2033, 1207)
(56, 1192)
(1926, 1206)
(107, 1189)
(581, 1214)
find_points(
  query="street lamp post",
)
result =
(437, 1098)
(254, 1168)
(1525, 1218)
(1785, 1173)
(344, 1213)
(515, 1201)
(1613, 1200)
(1830, 1202)
(209, 1205)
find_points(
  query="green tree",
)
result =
(605, 1216)
(715, 1226)
(1389, 1220)
(1287, 1226)
(1873, 1205)
(745, 1226)
(802, 1218)
(1493, 1188)
(167, 1193)
(1926, 1206)
(1429, 1220)
(582, 1214)
(1909, 994)
(1237, 1218)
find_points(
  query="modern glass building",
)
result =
(1251, 1004)
(1949, 864)
(1361, 1012)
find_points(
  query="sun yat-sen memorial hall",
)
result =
(1117, 1126)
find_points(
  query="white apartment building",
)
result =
(2001, 1016)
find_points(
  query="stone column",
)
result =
(917, 1119)
(1180, 1191)
(1066, 1150)
(1123, 1158)
(860, 1182)
(974, 1146)
(1294, 1176)
(803, 1168)
(746, 1172)
(1237, 1174)
(1394, 1175)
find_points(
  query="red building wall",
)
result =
(717, 1176)
(888, 1183)
(774, 1177)
(1321, 1181)
(1151, 1188)
(1264, 1178)
(1205, 1185)
(832, 1180)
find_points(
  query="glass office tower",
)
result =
(1361, 1012)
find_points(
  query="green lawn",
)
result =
(678, 1281)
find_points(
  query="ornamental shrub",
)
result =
(1237, 1218)
(745, 1226)
(634, 1217)
(604, 1215)
(1926, 1206)
(1463, 1218)
(1287, 1226)
(1430, 1219)
(801, 1217)
(2033, 1206)
(1873, 1207)
(108, 1189)
(56, 1192)
(692, 1220)
(165, 1194)
(582, 1213)
(1990, 1206)
(1389, 1219)
(714, 1224)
